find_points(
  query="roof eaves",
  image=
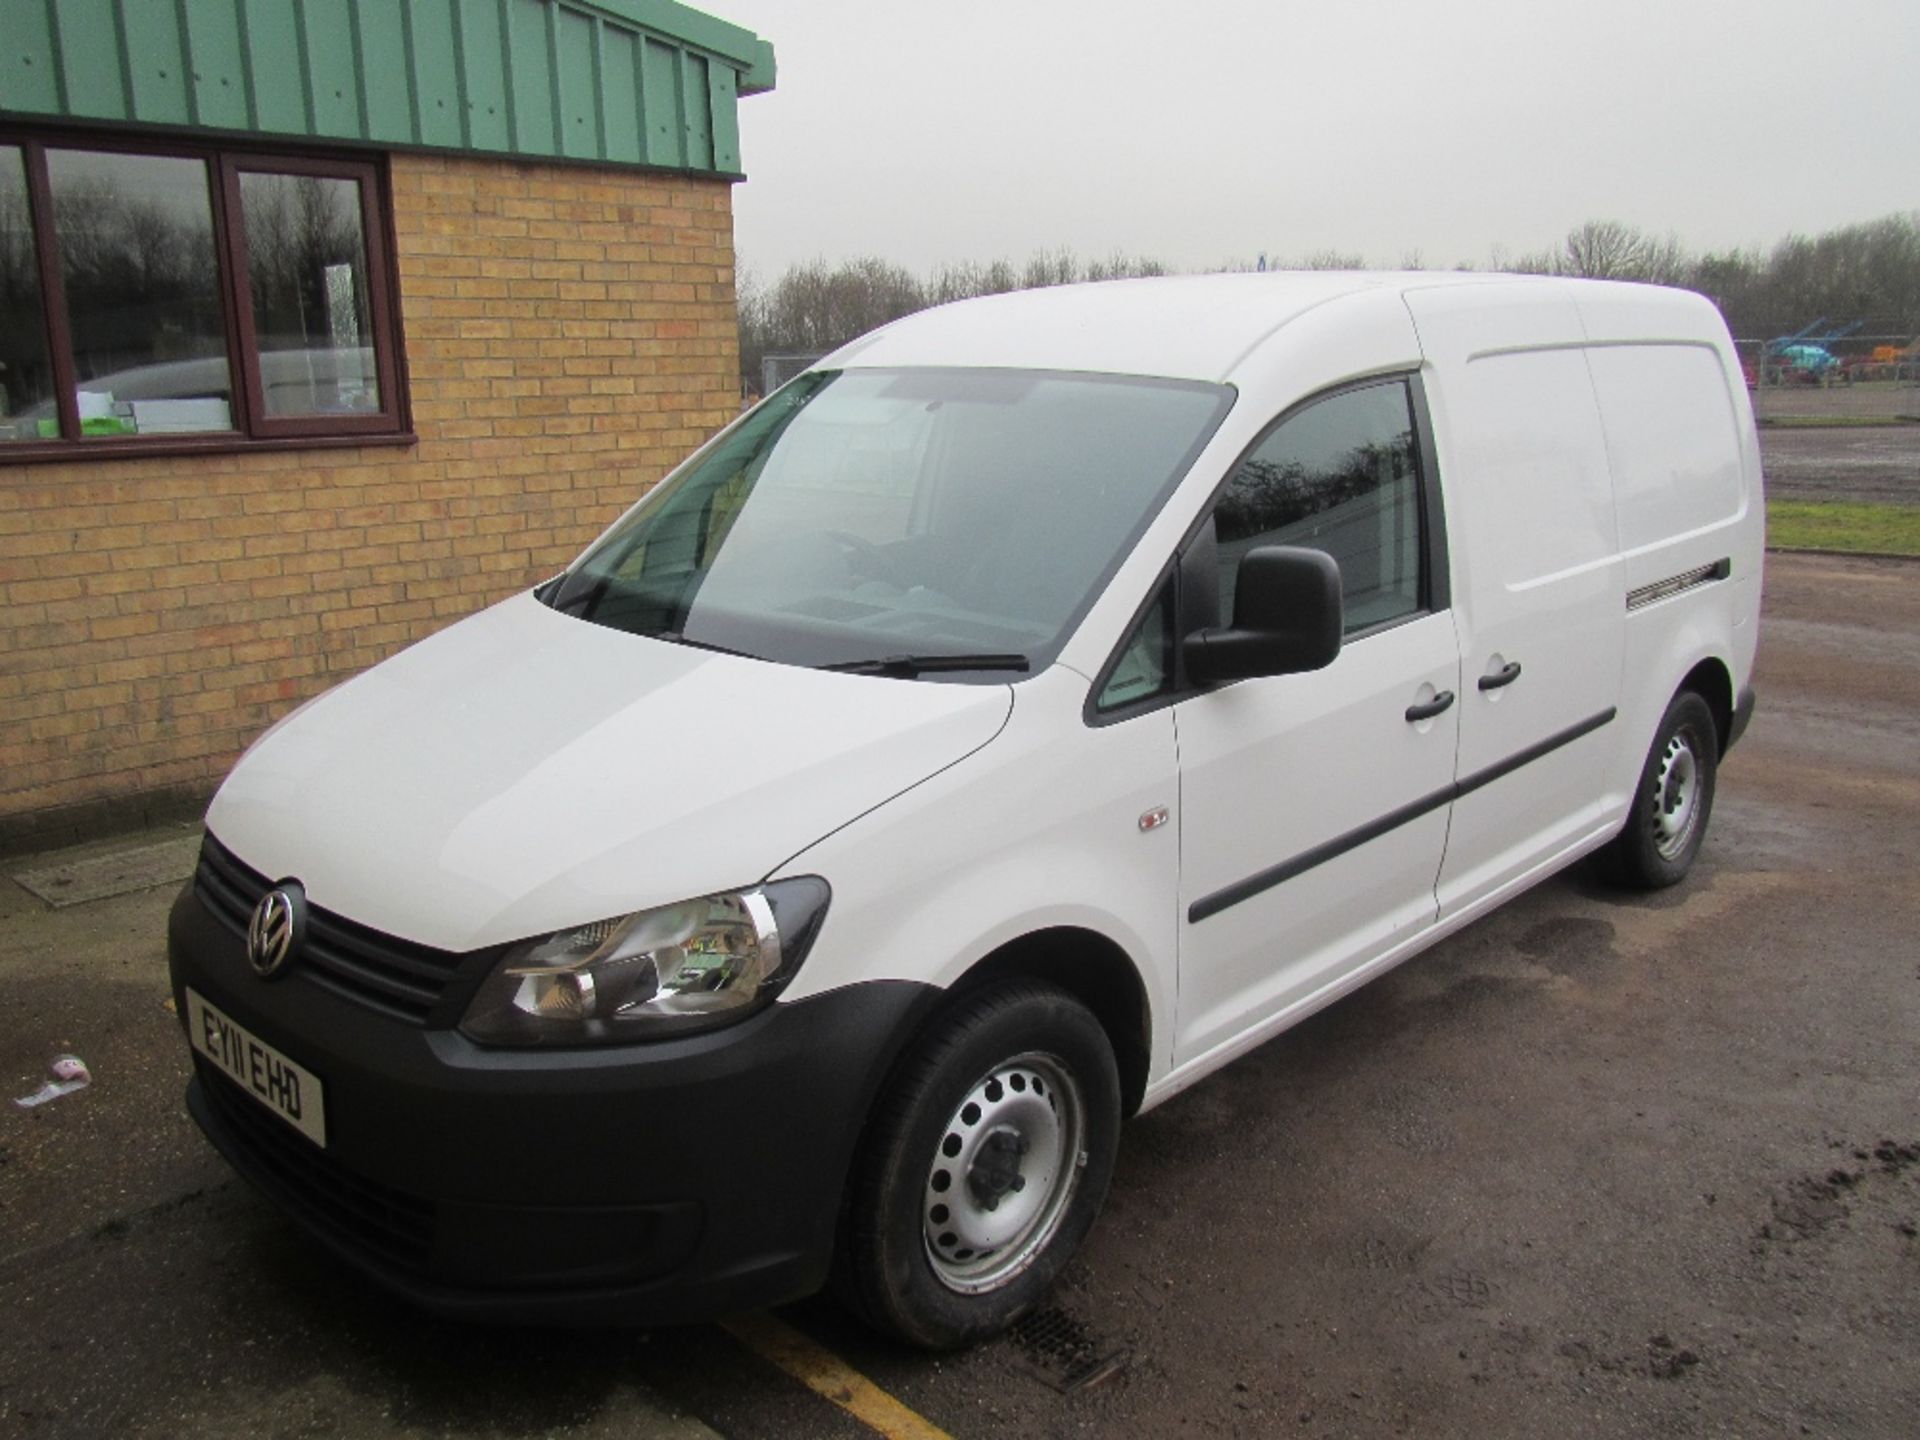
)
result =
(746, 51)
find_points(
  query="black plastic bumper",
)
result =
(1742, 717)
(646, 1184)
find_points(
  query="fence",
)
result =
(1865, 379)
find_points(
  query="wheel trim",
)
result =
(983, 1225)
(1676, 795)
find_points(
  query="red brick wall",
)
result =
(569, 337)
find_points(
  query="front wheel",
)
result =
(984, 1167)
(1667, 822)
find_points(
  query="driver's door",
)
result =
(1314, 807)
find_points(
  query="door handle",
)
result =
(1417, 713)
(1505, 675)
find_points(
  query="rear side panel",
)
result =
(1537, 581)
(1685, 464)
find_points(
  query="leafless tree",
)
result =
(1600, 250)
(1331, 260)
(300, 230)
(813, 308)
(1611, 250)
(1868, 271)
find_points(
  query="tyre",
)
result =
(985, 1163)
(1668, 819)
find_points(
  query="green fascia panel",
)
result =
(665, 133)
(386, 88)
(620, 96)
(724, 117)
(157, 63)
(330, 68)
(697, 111)
(483, 63)
(222, 79)
(621, 82)
(531, 83)
(576, 66)
(29, 73)
(273, 28)
(94, 81)
(742, 50)
(433, 56)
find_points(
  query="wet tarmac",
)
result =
(1598, 1166)
(1877, 464)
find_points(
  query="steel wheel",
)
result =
(983, 1166)
(1004, 1173)
(1668, 819)
(1676, 804)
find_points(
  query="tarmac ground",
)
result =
(1599, 1165)
(1875, 464)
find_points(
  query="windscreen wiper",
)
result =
(680, 637)
(907, 666)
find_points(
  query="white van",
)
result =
(1035, 705)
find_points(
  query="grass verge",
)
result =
(1834, 525)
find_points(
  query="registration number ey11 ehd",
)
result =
(288, 1089)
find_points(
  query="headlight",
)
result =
(651, 974)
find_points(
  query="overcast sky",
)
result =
(1215, 130)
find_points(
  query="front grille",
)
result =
(395, 977)
(389, 1225)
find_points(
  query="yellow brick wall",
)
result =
(569, 337)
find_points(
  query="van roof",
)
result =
(1193, 327)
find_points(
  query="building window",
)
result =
(160, 296)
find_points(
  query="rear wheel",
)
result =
(984, 1167)
(1668, 819)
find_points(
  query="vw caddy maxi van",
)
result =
(1035, 705)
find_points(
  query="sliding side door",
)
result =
(1538, 588)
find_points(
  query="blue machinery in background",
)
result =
(1808, 349)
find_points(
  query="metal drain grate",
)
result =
(118, 872)
(1063, 1353)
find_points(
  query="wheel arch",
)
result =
(1713, 683)
(1098, 973)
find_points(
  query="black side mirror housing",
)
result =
(1287, 619)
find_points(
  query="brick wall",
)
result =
(569, 336)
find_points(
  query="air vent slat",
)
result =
(390, 1223)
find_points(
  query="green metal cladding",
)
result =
(621, 82)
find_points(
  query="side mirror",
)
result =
(1287, 618)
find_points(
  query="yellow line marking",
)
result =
(830, 1377)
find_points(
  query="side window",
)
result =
(1145, 666)
(1341, 476)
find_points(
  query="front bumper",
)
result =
(647, 1184)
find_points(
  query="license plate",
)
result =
(286, 1088)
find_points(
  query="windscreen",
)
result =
(867, 516)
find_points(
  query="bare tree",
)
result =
(1118, 266)
(1866, 270)
(301, 229)
(1050, 267)
(1601, 250)
(813, 308)
(25, 378)
(1331, 260)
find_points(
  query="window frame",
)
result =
(1193, 567)
(253, 428)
